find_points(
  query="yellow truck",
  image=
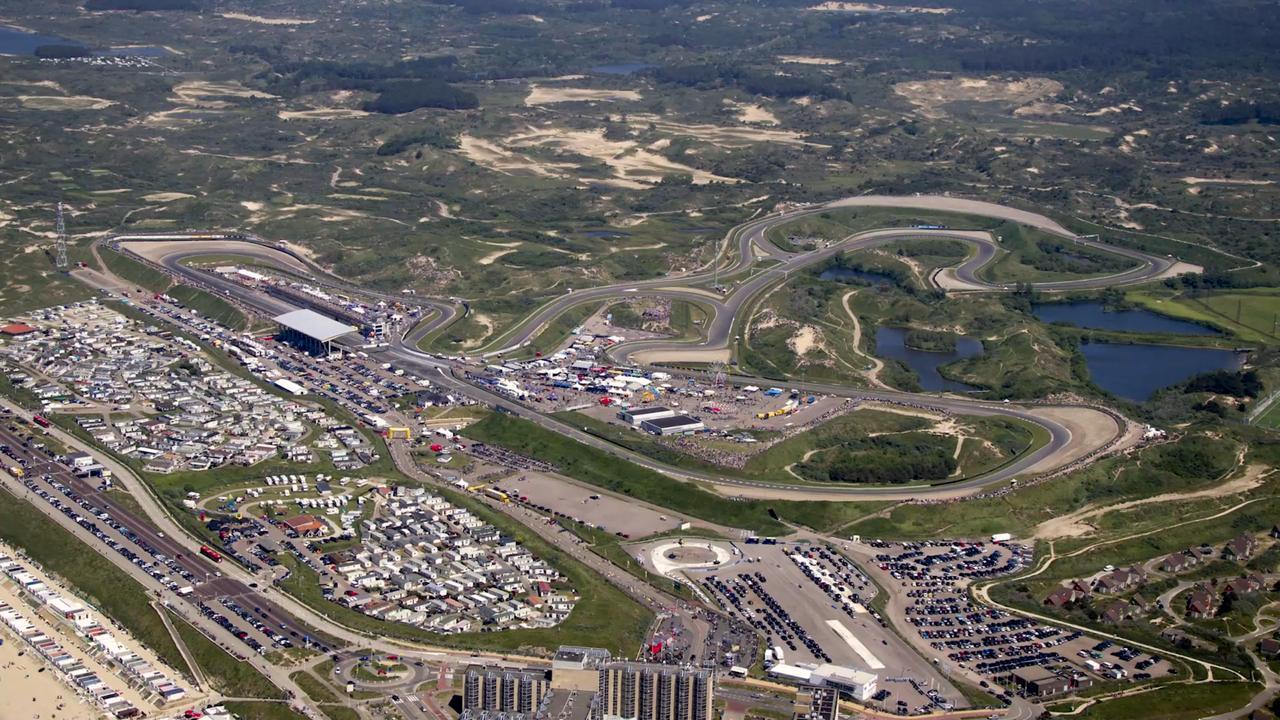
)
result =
(16, 471)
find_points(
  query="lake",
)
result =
(621, 68)
(1136, 372)
(839, 273)
(20, 42)
(15, 41)
(1094, 316)
(891, 345)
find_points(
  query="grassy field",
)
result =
(131, 270)
(339, 712)
(1271, 418)
(557, 331)
(107, 587)
(1250, 315)
(210, 306)
(248, 710)
(1032, 255)
(599, 468)
(229, 675)
(609, 547)
(313, 687)
(1174, 702)
(780, 462)
(1190, 464)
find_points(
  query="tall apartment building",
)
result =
(508, 690)
(641, 691)
(587, 684)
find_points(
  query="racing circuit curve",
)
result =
(743, 247)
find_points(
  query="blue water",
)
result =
(620, 68)
(1136, 372)
(20, 42)
(845, 274)
(604, 234)
(891, 344)
(1094, 316)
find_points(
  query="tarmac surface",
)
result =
(1063, 445)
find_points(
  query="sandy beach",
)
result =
(33, 695)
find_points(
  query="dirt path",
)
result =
(876, 363)
(1077, 524)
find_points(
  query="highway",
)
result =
(743, 247)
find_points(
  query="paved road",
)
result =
(750, 239)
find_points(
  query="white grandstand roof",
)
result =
(313, 324)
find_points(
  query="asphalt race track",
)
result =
(743, 246)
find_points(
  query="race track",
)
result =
(743, 247)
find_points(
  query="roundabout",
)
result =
(671, 558)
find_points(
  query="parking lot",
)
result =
(930, 582)
(162, 558)
(607, 512)
(811, 603)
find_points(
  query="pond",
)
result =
(621, 68)
(839, 273)
(16, 41)
(1136, 372)
(1095, 316)
(891, 345)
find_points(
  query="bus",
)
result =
(40, 420)
(210, 553)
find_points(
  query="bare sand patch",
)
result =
(543, 95)
(930, 95)
(808, 60)
(626, 158)
(720, 135)
(265, 20)
(63, 102)
(495, 157)
(41, 694)
(756, 115)
(862, 7)
(321, 114)
(805, 339)
(164, 197)
(493, 257)
(485, 322)
(1224, 181)
(1113, 110)
(204, 93)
